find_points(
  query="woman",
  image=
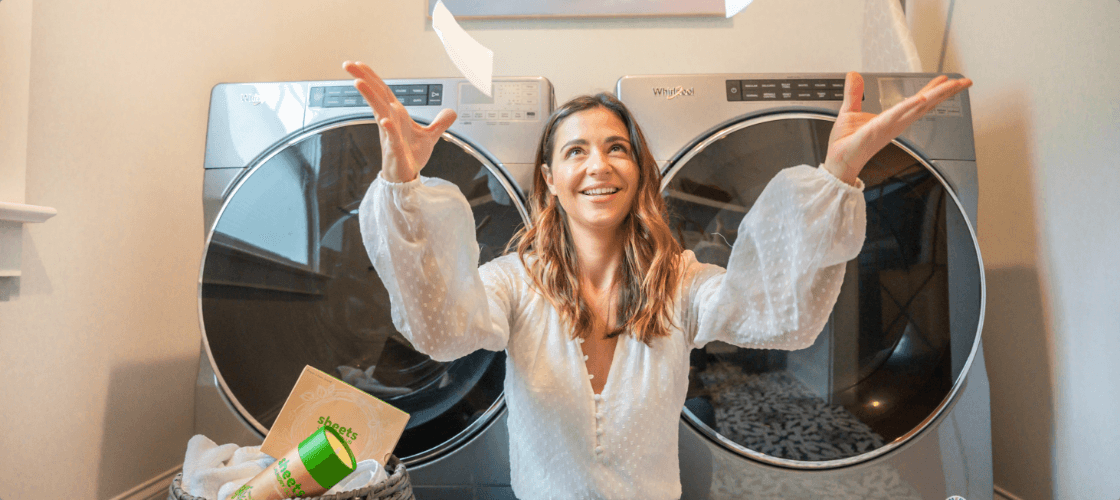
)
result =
(599, 307)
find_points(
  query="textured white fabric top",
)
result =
(566, 442)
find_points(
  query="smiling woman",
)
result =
(599, 308)
(585, 237)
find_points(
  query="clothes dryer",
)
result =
(892, 400)
(285, 280)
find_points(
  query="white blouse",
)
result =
(566, 442)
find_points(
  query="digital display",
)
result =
(470, 95)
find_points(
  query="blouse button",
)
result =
(598, 397)
(585, 357)
(599, 432)
(590, 376)
(598, 450)
(580, 340)
(599, 415)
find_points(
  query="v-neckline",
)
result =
(621, 340)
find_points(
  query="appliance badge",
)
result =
(671, 93)
(253, 98)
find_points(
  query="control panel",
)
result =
(511, 101)
(785, 90)
(345, 96)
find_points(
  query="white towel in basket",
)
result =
(215, 472)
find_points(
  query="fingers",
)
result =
(945, 90)
(900, 116)
(372, 87)
(853, 93)
(363, 72)
(937, 80)
(380, 107)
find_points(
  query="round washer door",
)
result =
(901, 336)
(286, 282)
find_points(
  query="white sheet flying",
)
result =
(474, 61)
(733, 7)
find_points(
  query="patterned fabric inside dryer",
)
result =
(901, 331)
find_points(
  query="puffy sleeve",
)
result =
(786, 268)
(420, 236)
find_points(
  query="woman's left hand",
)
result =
(857, 136)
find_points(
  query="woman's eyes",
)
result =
(614, 147)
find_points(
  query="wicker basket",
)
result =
(397, 487)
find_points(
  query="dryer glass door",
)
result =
(286, 282)
(900, 337)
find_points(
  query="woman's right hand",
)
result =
(406, 146)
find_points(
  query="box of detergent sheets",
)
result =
(370, 426)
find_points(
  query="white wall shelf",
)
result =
(12, 218)
(18, 212)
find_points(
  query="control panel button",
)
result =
(734, 90)
(786, 89)
(317, 97)
(416, 100)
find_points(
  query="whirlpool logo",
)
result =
(671, 93)
(253, 98)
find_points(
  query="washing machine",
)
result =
(892, 400)
(285, 280)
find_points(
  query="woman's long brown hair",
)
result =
(649, 276)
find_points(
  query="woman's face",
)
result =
(592, 171)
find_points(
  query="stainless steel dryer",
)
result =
(285, 280)
(892, 400)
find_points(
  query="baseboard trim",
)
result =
(153, 488)
(1005, 494)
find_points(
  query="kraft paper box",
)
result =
(370, 426)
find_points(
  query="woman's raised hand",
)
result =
(406, 145)
(857, 136)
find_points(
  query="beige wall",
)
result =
(15, 62)
(100, 349)
(1047, 121)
